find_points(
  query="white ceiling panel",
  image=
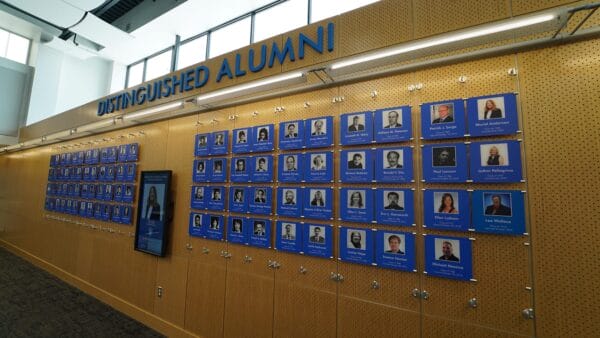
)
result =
(69, 48)
(100, 32)
(85, 5)
(57, 12)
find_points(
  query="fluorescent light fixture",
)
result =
(153, 110)
(33, 142)
(14, 147)
(92, 127)
(61, 135)
(251, 87)
(447, 38)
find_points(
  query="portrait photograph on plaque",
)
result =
(493, 115)
(219, 143)
(356, 128)
(395, 250)
(201, 144)
(394, 165)
(289, 167)
(288, 236)
(216, 198)
(496, 162)
(448, 257)
(122, 154)
(119, 192)
(119, 176)
(218, 169)
(261, 168)
(214, 226)
(356, 205)
(200, 171)
(154, 212)
(445, 163)
(317, 240)
(263, 138)
(132, 152)
(392, 124)
(446, 209)
(197, 198)
(111, 155)
(240, 169)
(95, 159)
(130, 172)
(238, 201)
(444, 119)
(196, 224)
(356, 166)
(394, 206)
(128, 193)
(259, 200)
(291, 135)
(499, 211)
(289, 201)
(242, 141)
(106, 211)
(260, 232)
(318, 132)
(318, 203)
(237, 231)
(356, 245)
(318, 167)
(126, 214)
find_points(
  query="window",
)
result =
(322, 9)
(136, 74)
(158, 65)
(281, 18)
(230, 37)
(192, 52)
(14, 47)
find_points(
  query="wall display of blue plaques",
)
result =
(496, 162)
(318, 203)
(444, 119)
(240, 169)
(289, 201)
(356, 128)
(200, 170)
(201, 144)
(356, 245)
(289, 167)
(237, 230)
(288, 236)
(291, 135)
(393, 124)
(261, 168)
(217, 169)
(197, 199)
(499, 211)
(196, 224)
(130, 173)
(238, 200)
(242, 140)
(394, 165)
(445, 163)
(318, 132)
(132, 152)
(214, 226)
(394, 206)
(219, 142)
(492, 115)
(128, 193)
(356, 165)
(395, 250)
(216, 198)
(448, 257)
(263, 138)
(446, 209)
(317, 240)
(260, 232)
(318, 167)
(356, 204)
(259, 200)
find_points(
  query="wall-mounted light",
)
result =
(93, 127)
(145, 113)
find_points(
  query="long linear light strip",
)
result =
(96, 125)
(152, 111)
(496, 28)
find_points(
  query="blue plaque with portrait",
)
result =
(126, 212)
(263, 138)
(356, 204)
(496, 162)
(448, 257)
(356, 128)
(104, 155)
(499, 211)
(288, 236)
(128, 193)
(291, 135)
(200, 169)
(99, 192)
(83, 210)
(215, 200)
(444, 119)
(356, 245)
(289, 201)
(445, 163)
(110, 173)
(317, 240)
(217, 169)
(318, 167)
(119, 175)
(131, 172)
(89, 210)
(395, 250)
(108, 192)
(118, 188)
(289, 167)
(356, 166)
(394, 206)
(493, 115)
(201, 144)
(318, 132)
(238, 199)
(122, 155)
(106, 209)
(197, 200)
(242, 141)
(214, 226)
(237, 230)
(261, 168)
(394, 165)
(132, 152)
(95, 156)
(240, 169)
(318, 203)
(94, 171)
(111, 155)
(259, 200)
(116, 213)
(87, 158)
(196, 225)
(259, 234)
(219, 142)
(393, 124)
(446, 209)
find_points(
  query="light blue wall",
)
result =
(15, 86)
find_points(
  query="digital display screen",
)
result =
(153, 212)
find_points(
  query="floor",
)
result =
(34, 303)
